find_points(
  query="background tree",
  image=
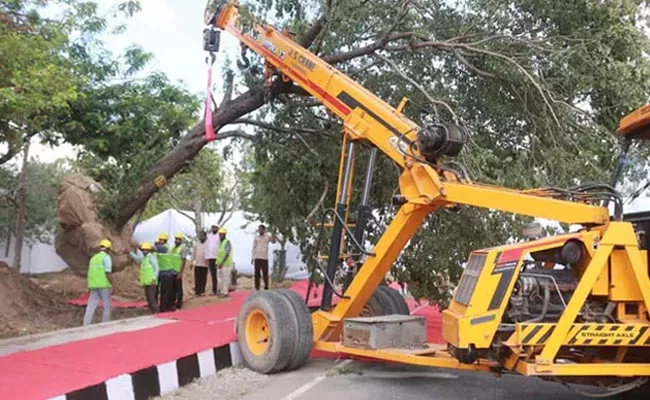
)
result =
(40, 195)
(60, 84)
(42, 68)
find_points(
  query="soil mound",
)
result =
(22, 302)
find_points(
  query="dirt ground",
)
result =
(37, 304)
(30, 305)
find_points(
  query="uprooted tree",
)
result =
(540, 85)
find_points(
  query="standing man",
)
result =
(148, 274)
(99, 284)
(224, 262)
(211, 248)
(160, 247)
(183, 252)
(260, 259)
(170, 265)
(200, 265)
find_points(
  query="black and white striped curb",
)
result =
(160, 379)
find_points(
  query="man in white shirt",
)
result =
(211, 247)
(200, 265)
(260, 258)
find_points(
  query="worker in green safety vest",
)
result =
(99, 284)
(224, 263)
(148, 274)
(181, 250)
(170, 266)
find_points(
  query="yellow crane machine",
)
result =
(571, 308)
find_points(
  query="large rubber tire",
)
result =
(303, 325)
(267, 344)
(380, 303)
(399, 304)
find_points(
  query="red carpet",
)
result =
(55, 370)
(83, 301)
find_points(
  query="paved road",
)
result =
(323, 380)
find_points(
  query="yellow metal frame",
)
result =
(426, 189)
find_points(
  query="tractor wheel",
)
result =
(380, 303)
(267, 332)
(303, 326)
(399, 304)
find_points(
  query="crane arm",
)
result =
(416, 149)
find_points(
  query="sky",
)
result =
(172, 30)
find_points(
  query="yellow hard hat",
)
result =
(163, 236)
(178, 235)
(105, 243)
(223, 230)
(146, 246)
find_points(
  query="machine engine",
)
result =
(540, 295)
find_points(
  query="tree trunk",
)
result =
(190, 145)
(198, 216)
(8, 243)
(21, 199)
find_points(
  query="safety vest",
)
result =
(146, 271)
(96, 273)
(221, 253)
(169, 262)
(178, 250)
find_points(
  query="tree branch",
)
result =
(319, 204)
(471, 66)
(10, 200)
(238, 133)
(293, 131)
(11, 152)
(183, 213)
(272, 127)
(15, 147)
(227, 96)
(417, 85)
(304, 142)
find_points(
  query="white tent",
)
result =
(37, 257)
(241, 233)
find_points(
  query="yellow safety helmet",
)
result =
(223, 230)
(146, 246)
(105, 243)
(178, 235)
(163, 236)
